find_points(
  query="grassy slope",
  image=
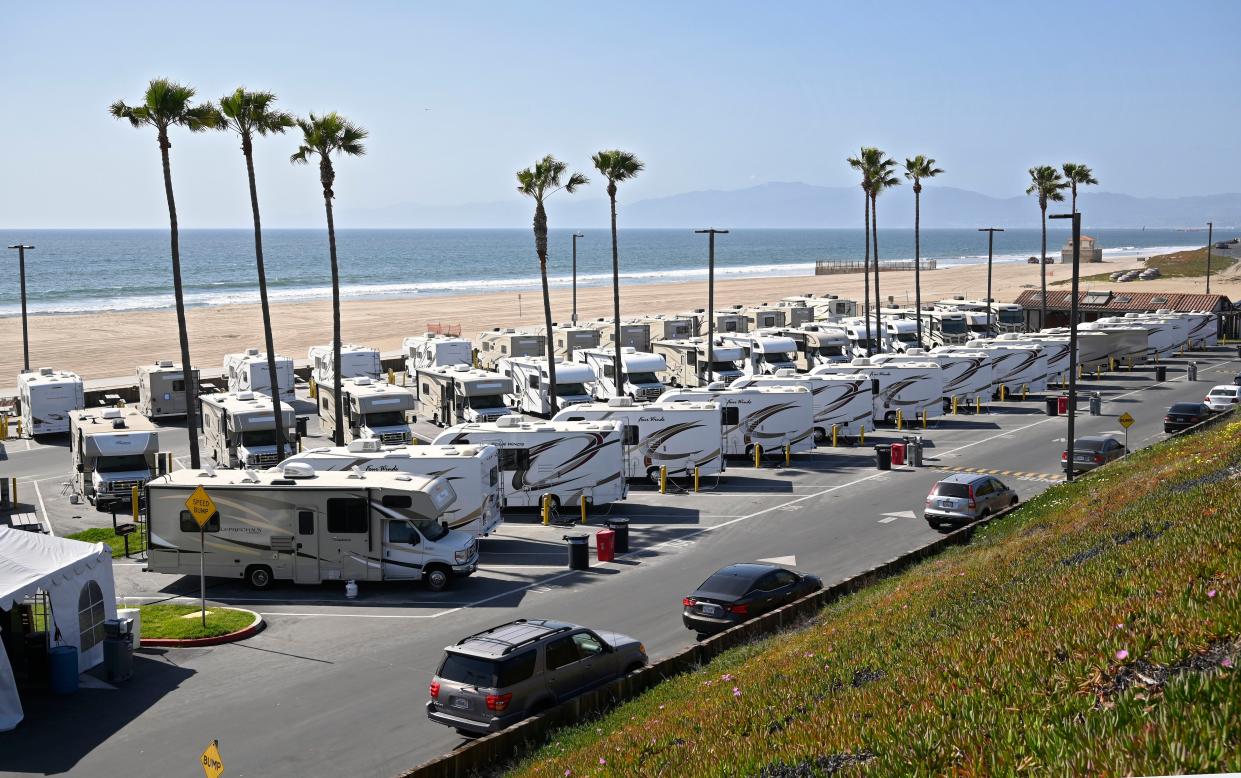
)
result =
(1180, 264)
(1000, 657)
(167, 621)
(105, 535)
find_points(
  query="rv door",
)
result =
(306, 548)
(345, 546)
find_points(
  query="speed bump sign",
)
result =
(1125, 420)
(213, 765)
(200, 505)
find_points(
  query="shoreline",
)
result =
(111, 344)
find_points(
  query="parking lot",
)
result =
(334, 686)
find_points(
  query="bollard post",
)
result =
(861, 435)
(898, 419)
(583, 509)
(133, 503)
(695, 478)
(13, 489)
(1129, 363)
(546, 504)
(1111, 364)
(313, 388)
(835, 429)
(663, 479)
(1079, 372)
(977, 404)
(1098, 371)
(1003, 391)
(1025, 391)
(954, 405)
(788, 454)
(391, 376)
(19, 428)
(4, 427)
(924, 418)
(758, 455)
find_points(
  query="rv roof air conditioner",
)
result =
(512, 420)
(715, 386)
(786, 372)
(915, 351)
(298, 470)
(365, 446)
(111, 413)
(860, 362)
(363, 381)
(620, 402)
(164, 363)
(45, 371)
(252, 352)
(245, 395)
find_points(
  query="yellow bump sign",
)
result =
(213, 765)
(202, 508)
(1125, 420)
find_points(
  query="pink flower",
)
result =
(1225, 662)
(727, 677)
(1122, 655)
(810, 655)
(602, 761)
(736, 692)
(1211, 593)
(1121, 625)
(568, 773)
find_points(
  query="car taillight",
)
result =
(1064, 456)
(499, 702)
(972, 503)
(1167, 418)
(739, 610)
(1098, 458)
(435, 690)
(688, 602)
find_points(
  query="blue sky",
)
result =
(712, 95)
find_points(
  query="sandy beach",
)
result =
(106, 345)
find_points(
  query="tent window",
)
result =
(90, 616)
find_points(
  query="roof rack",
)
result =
(509, 645)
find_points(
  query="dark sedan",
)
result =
(1183, 415)
(739, 592)
(1093, 451)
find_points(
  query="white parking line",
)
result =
(43, 509)
(266, 614)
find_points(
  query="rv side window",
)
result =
(534, 382)
(495, 476)
(188, 524)
(305, 522)
(730, 414)
(514, 459)
(609, 371)
(630, 435)
(426, 388)
(323, 401)
(346, 515)
(398, 501)
(403, 532)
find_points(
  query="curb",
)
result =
(255, 627)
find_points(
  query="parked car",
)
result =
(1222, 397)
(1093, 451)
(966, 497)
(739, 592)
(1184, 415)
(500, 676)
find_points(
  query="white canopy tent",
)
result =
(77, 579)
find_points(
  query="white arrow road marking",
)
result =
(790, 561)
(891, 517)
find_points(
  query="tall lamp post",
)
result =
(1077, 253)
(25, 334)
(1210, 239)
(710, 233)
(991, 231)
(576, 235)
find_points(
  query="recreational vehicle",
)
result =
(825, 308)
(769, 416)
(682, 438)
(818, 344)
(914, 388)
(855, 329)
(1132, 341)
(796, 312)
(567, 340)
(966, 373)
(665, 327)
(762, 317)
(373, 409)
(432, 350)
(507, 343)
(295, 524)
(457, 394)
(843, 402)
(161, 389)
(686, 361)
(945, 328)
(727, 320)
(901, 333)
(574, 384)
(569, 460)
(765, 352)
(46, 397)
(113, 450)
(634, 335)
(1160, 333)
(641, 373)
(1094, 347)
(355, 362)
(247, 372)
(1015, 364)
(1005, 317)
(240, 428)
(1203, 329)
(472, 471)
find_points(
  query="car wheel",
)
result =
(985, 514)
(437, 577)
(1014, 501)
(467, 734)
(934, 524)
(633, 668)
(258, 577)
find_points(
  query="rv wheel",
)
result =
(653, 474)
(436, 577)
(258, 577)
(820, 436)
(890, 417)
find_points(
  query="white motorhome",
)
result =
(457, 394)
(764, 317)
(641, 370)
(945, 328)
(665, 327)
(472, 471)
(1015, 364)
(247, 372)
(769, 416)
(632, 334)
(966, 373)
(240, 428)
(373, 409)
(1160, 333)
(1203, 328)
(567, 340)
(855, 328)
(432, 350)
(508, 343)
(681, 437)
(46, 397)
(1182, 326)
(356, 361)
(1005, 317)
(574, 384)
(568, 460)
(901, 334)
(112, 450)
(818, 344)
(726, 320)
(826, 307)
(765, 352)
(913, 388)
(296, 524)
(1132, 340)
(686, 361)
(161, 389)
(845, 402)
(1094, 347)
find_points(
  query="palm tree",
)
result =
(167, 104)
(323, 136)
(861, 163)
(1047, 184)
(1078, 174)
(881, 178)
(916, 169)
(616, 166)
(247, 113)
(541, 182)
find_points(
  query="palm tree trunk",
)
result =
(338, 434)
(866, 270)
(1042, 310)
(918, 259)
(540, 247)
(874, 224)
(187, 370)
(248, 150)
(618, 369)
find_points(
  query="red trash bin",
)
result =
(898, 453)
(605, 545)
(1062, 404)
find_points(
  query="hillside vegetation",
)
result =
(1093, 632)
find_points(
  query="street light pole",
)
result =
(710, 233)
(991, 231)
(1077, 253)
(21, 271)
(576, 235)
(1210, 238)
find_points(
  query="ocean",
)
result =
(82, 271)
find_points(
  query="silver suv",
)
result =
(500, 676)
(966, 497)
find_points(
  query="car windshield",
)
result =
(1089, 444)
(1009, 316)
(778, 357)
(480, 401)
(726, 584)
(953, 326)
(1185, 408)
(469, 670)
(643, 378)
(385, 419)
(121, 464)
(252, 438)
(571, 390)
(951, 489)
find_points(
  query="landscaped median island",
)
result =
(184, 622)
(109, 538)
(1096, 630)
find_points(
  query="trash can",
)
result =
(579, 551)
(883, 456)
(898, 453)
(621, 529)
(1192, 371)
(1053, 406)
(118, 658)
(605, 549)
(1062, 404)
(63, 663)
(1096, 404)
(1161, 373)
(913, 450)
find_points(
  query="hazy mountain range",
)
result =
(804, 205)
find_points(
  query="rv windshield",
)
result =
(778, 357)
(831, 351)
(724, 367)
(121, 464)
(481, 401)
(1011, 316)
(252, 438)
(385, 419)
(953, 326)
(429, 528)
(643, 378)
(571, 390)
(907, 337)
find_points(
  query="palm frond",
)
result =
(546, 177)
(326, 135)
(920, 167)
(616, 165)
(1080, 175)
(1046, 183)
